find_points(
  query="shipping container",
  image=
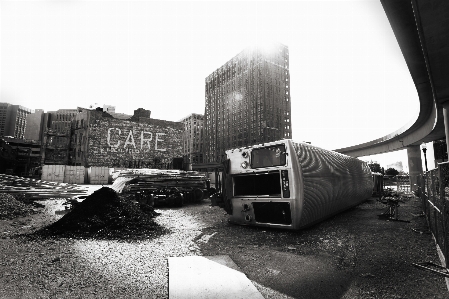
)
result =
(74, 174)
(53, 173)
(98, 175)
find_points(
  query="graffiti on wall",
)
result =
(122, 143)
(144, 139)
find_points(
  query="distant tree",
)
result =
(391, 171)
(375, 167)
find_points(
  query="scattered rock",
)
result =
(56, 259)
(11, 208)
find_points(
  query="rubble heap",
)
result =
(105, 215)
(11, 208)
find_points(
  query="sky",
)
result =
(349, 81)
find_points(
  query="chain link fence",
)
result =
(434, 193)
(398, 182)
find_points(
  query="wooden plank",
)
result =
(37, 189)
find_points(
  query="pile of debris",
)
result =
(156, 178)
(105, 215)
(10, 207)
(171, 187)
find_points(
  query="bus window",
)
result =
(268, 156)
(267, 184)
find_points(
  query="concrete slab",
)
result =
(215, 277)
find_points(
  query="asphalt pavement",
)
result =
(355, 254)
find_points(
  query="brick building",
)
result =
(56, 135)
(13, 120)
(100, 139)
(248, 101)
(192, 138)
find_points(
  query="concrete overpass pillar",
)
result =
(446, 123)
(414, 165)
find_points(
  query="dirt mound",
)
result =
(11, 208)
(105, 215)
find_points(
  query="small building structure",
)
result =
(20, 157)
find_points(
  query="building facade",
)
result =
(56, 136)
(8, 157)
(192, 138)
(3, 115)
(108, 108)
(100, 139)
(13, 120)
(93, 137)
(35, 125)
(19, 156)
(248, 101)
(61, 120)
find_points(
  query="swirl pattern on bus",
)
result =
(332, 182)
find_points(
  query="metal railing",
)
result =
(400, 183)
(434, 193)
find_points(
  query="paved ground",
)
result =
(352, 255)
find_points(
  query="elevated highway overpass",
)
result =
(421, 28)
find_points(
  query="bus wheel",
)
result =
(198, 195)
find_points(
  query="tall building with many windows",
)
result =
(192, 138)
(248, 101)
(3, 116)
(35, 125)
(13, 120)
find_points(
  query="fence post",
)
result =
(426, 198)
(444, 169)
(446, 239)
(421, 193)
(434, 202)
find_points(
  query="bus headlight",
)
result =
(244, 164)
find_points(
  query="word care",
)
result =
(115, 140)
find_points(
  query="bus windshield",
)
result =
(268, 156)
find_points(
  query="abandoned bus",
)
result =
(292, 185)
